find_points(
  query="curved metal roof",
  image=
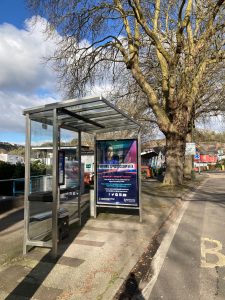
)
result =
(92, 115)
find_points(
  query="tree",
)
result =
(6, 170)
(166, 46)
(38, 168)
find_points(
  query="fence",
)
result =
(15, 187)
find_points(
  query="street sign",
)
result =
(197, 156)
(220, 152)
(190, 149)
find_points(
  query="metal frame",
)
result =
(139, 174)
(55, 189)
(79, 165)
(95, 176)
(90, 115)
(27, 184)
(79, 114)
(124, 206)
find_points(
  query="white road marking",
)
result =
(214, 249)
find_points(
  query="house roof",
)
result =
(155, 150)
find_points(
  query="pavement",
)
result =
(106, 258)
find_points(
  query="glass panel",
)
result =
(87, 158)
(70, 190)
(40, 198)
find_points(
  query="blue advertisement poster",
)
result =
(61, 167)
(117, 172)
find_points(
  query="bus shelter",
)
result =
(93, 115)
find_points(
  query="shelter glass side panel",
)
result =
(69, 191)
(40, 197)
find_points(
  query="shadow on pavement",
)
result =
(131, 290)
(11, 218)
(34, 279)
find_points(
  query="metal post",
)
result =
(55, 204)
(95, 177)
(80, 177)
(27, 184)
(139, 174)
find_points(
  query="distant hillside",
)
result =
(12, 148)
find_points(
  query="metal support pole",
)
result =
(80, 177)
(55, 204)
(95, 177)
(139, 174)
(27, 184)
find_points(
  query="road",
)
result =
(193, 265)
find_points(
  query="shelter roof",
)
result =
(92, 115)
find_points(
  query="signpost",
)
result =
(190, 149)
(220, 154)
(197, 157)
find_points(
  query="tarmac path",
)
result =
(11, 234)
(194, 265)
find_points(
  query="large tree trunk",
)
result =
(188, 163)
(175, 149)
(188, 166)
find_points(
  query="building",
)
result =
(208, 157)
(154, 157)
(11, 158)
(204, 159)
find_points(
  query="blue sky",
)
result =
(14, 12)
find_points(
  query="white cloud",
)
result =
(12, 106)
(26, 80)
(216, 124)
(22, 53)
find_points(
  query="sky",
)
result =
(25, 78)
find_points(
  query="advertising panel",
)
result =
(117, 172)
(61, 166)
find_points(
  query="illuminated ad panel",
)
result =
(117, 172)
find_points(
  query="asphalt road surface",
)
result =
(193, 266)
